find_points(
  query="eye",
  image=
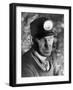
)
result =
(48, 39)
(42, 40)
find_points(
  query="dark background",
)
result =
(58, 49)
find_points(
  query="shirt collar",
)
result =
(39, 56)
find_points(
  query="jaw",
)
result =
(46, 54)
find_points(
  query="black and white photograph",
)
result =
(41, 45)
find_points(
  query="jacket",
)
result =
(31, 69)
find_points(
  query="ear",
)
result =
(34, 41)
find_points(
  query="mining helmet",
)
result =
(41, 27)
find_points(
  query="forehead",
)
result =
(49, 37)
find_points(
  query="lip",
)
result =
(46, 52)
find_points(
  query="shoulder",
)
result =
(29, 71)
(28, 67)
(26, 57)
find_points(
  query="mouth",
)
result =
(46, 51)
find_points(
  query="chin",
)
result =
(46, 54)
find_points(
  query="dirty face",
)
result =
(45, 45)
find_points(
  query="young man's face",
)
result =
(45, 45)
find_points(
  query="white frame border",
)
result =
(20, 80)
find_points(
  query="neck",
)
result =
(43, 58)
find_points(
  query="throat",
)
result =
(42, 58)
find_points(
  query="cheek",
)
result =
(41, 46)
(50, 43)
(50, 46)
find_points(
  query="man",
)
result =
(37, 61)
